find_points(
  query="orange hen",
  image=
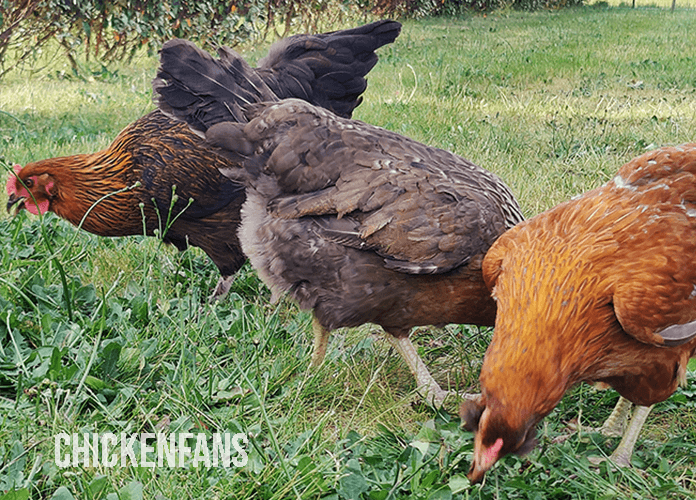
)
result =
(598, 289)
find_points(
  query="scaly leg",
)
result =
(622, 453)
(434, 395)
(615, 424)
(223, 286)
(321, 341)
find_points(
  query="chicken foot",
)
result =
(613, 426)
(622, 453)
(434, 395)
(223, 286)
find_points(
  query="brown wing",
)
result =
(655, 295)
(655, 292)
(168, 158)
(424, 209)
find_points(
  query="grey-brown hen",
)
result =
(98, 191)
(355, 222)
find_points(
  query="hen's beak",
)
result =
(476, 473)
(484, 457)
(15, 200)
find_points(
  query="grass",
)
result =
(660, 4)
(554, 102)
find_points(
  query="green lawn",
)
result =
(661, 4)
(554, 102)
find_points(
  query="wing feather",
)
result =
(415, 205)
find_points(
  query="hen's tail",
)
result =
(193, 87)
(328, 69)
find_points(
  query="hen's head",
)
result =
(496, 434)
(31, 187)
(524, 372)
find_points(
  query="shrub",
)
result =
(117, 29)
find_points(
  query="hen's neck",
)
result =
(93, 191)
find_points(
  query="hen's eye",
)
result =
(29, 183)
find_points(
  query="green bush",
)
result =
(117, 29)
(111, 30)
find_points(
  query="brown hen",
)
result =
(355, 222)
(127, 188)
(598, 289)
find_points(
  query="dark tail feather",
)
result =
(194, 87)
(327, 69)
